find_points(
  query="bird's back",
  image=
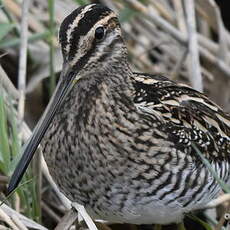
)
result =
(189, 120)
(189, 116)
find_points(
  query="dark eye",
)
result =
(99, 32)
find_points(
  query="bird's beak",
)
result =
(65, 84)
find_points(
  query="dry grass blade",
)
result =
(17, 221)
(26, 221)
(220, 200)
(176, 70)
(51, 213)
(3, 227)
(23, 59)
(194, 65)
(81, 210)
(15, 9)
(180, 16)
(5, 218)
(158, 21)
(215, 61)
(66, 222)
(65, 201)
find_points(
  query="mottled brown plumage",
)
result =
(119, 142)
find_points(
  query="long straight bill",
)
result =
(63, 88)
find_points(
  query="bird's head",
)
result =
(90, 34)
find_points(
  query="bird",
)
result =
(121, 143)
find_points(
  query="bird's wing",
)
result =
(185, 114)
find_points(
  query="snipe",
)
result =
(119, 142)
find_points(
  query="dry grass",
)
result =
(185, 40)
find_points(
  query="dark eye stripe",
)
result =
(92, 51)
(83, 60)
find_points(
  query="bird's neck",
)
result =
(100, 90)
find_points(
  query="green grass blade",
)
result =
(82, 2)
(5, 28)
(223, 185)
(4, 140)
(51, 52)
(16, 41)
(16, 144)
(201, 222)
(10, 18)
(126, 14)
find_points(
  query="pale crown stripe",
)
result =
(75, 23)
